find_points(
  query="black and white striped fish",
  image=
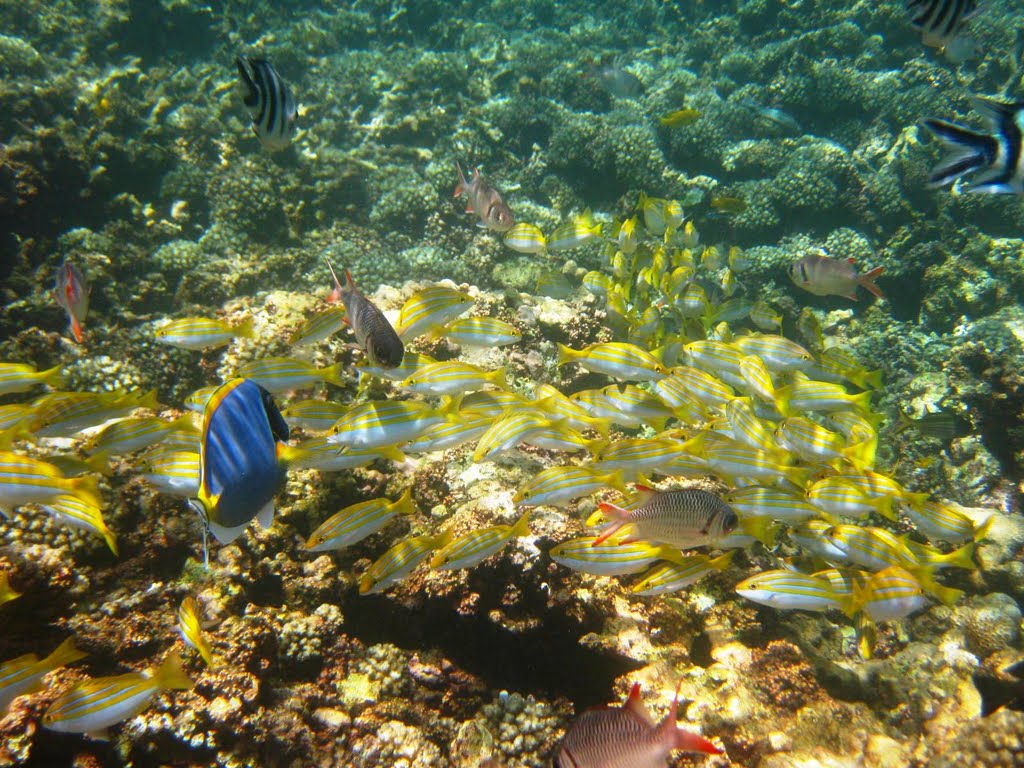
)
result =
(940, 20)
(271, 101)
(996, 153)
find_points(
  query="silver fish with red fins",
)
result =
(485, 201)
(72, 293)
(627, 737)
(825, 276)
(681, 517)
(373, 332)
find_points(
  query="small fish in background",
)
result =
(374, 334)
(944, 426)
(619, 82)
(72, 293)
(940, 21)
(485, 201)
(240, 459)
(271, 102)
(996, 153)
(825, 276)
(781, 121)
(93, 705)
(728, 204)
(679, 118)
(526, 238)
(616, 737)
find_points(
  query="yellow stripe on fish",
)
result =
(25, 674)
(666, 578)
(316, 415)
(790, 590)
(78, 513)
(525, 238)
(555, 486)
(452, 377)
(64, 414)
(378, 423)
(610, 558)
(320, 326)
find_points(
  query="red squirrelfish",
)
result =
(72, 293)
(824, 276)
(682, 517)
(373, 332)
(484, 200)
(627, 737)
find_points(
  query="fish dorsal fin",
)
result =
(635, 706)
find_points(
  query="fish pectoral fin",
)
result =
(101, 734)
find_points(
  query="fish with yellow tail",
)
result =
(357, 521)
(485, 201)
(399, 561)
(19, 377)
(25, 674)
(7, 592)
(374, 334)
(825, 276)
(92, 706)
(240, 459)
(615, 737)
(476, 546)
(191, 629)
(72, 293)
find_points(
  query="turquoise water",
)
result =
(760, 133)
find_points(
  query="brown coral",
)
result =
(781, 676)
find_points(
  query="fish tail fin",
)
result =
(521, 526)
(51, 376)
(566, 355)
(945, 595)
(872, 379)
(98, 463)
(861, 455)
(109, 537)
(867, 635)
(334, 374)
(982, 531)
(148, 400)
(444, 538)
(497, 378)
(87, 489)
(961, 558)
(762, 528)
(722, 562)
(675, 737)
(782, 398)
(617, 481)
(171, 675)
(336, 293)
(245, 328)
(969, 151)
(65, 653)
(861, 401)
(76, 330)
(867, 280)
(391, 453)
(404, 505)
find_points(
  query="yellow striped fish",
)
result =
(284, 374)
(525, 238)
(191, 629)
(130, 435)
(450, 434)
(790, 591)
(7, 592)
(20, 377)
(357, 521)
(476, 546)
(611, 558)
(508, 432)
(78, 513)
(378, 423)
(320, 326)
(321, 454)
(24, 480)
(25, 674)
(64, 414)
(315, 415)
(555, 486)
(399, 561)
(480, 332)
(615, 359)
(452, 377)
(173, 472)
(666, 578)
(429, 309)
(92, 706)
(198, 333)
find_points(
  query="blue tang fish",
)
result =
(239, 458)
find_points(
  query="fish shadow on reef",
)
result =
(547, 658)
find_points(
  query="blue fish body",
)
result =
(240, 470)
